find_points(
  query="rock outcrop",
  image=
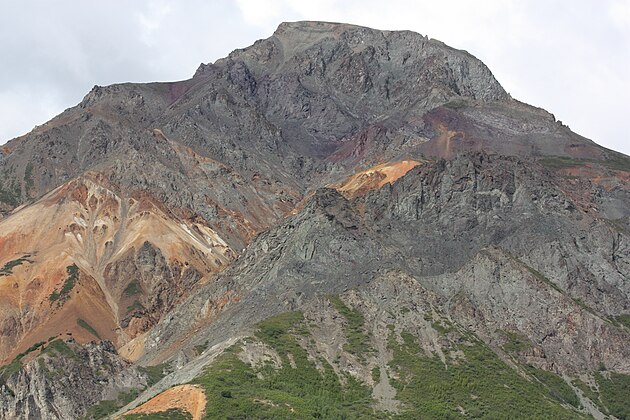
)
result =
(348, 175)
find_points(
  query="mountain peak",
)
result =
(313, 26)
(377, 193)
(364, 58)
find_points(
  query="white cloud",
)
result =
(151, 20)
(42, 105)
(619, 11)
(571, 58)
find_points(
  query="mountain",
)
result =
(334, 222)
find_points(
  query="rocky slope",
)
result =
(64, 380)
(363, 207)
(84, 255)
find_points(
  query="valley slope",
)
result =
(307, 227)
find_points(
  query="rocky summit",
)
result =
(335, 222)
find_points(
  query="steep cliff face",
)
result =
(477, 231)
(64, 380)
(380, 188)
(310, 101)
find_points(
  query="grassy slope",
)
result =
(477, 385)
(480, 386)
(235, 390)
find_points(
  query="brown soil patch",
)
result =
(375, 178)
(86, 224)
(55, 319)
(134, 349)
(190, 398)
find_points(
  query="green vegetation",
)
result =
(456, 104)
(28, 177)
(557, 387)
(135, 306)
(544, 279)
(616, 162)
(30, 349)
(376, 374)
(102, 409)
(132, 288)
(540, 276)
(442, 326)
(200, 348)
(172, 414)
(579, 302)
(235, 390)
(12, 196)
(275, 331)
(73, 276)
(622, 320)
(614, 391)
(106, 407)
(482, 386)
(68, 285)
(589, 393)
(478, 386)
(7, 269)
(358, 341)
(561, 162)
(610, 395)
(83, 324)
(16, 364)
(59, 346)
(515, 342)
(155, 373)
(7, 370)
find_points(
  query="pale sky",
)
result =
(570, 57)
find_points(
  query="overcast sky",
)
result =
(569, 57)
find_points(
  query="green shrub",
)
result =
(102, 409)
(60, 347)
(456, 104)
(285, 392)
(83, 324)
(557, 387)
(68, 285)
(614, 393)
(11, 196)
(7, 371)
(358, 340)
(135, 306)
(155, 373)
(482, 385)
(623, 320)
(132, 288)
(7, 269)
(561, 162)
(28, 177)
(590, 394)
(515, 342)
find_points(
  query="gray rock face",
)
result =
(475, 231)
(293, 111)
(147, 270)
(64, 383)
(510, 224)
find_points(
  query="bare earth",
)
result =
(189, 398)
